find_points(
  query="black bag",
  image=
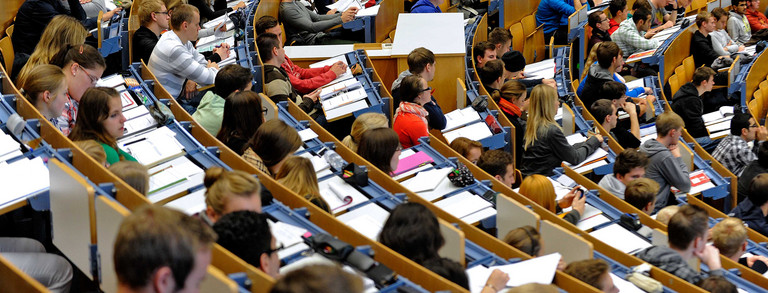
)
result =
(480, 103)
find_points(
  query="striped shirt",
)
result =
(172, 62)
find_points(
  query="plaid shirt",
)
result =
(251, 157)
(630, 40)
(735, 153)
(66, 121)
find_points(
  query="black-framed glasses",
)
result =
(429, 88)
(606, 19)
(271, 251)
(162, 12)
(754, 126)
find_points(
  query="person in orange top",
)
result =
(411, 117)
(757, 19)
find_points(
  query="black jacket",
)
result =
(752, 215)
(687, 103)
(702, 50)
(597, 37)
(34, 15)
(753, 169)
(594, 84)
(551, 149)
(206, 13)
(519, 125)
(144, 41)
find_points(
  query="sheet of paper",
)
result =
(112, 81)
(8, 144)
(476, 131)
(346, 109)
(427, 180)
(173, 177)
(592, 222)
(478, 276)
(341, 86)
(330, 62)
(479, 215)
(367, 219)
(460, 117)
(445, 187)
(190, 204)
(576, 138)
(597, 154)
(536, 270)
(370, 11)
(307, 134)
(621, 239)
(463, 204)
(625, 286)
(345, 98)
(153, 147)
(31, 172)
(318, 163)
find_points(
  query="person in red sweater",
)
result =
(757, 19)
(410, 116)
(304, 80)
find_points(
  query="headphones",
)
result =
(535, 245)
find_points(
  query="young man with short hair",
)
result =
(230, 79)
(502, 39)
(600, 24)
(753, 169)
(629, 166)
(618, 9)
(641, 193)
(738, 24)
(483, 52)
(753, 210)
(492, 75)
(247, 235)
(659, 15)
(594, 272)
(277, 85)
(702, 48)
(514, 64)
(304, 80)
(687, 103)
(158, 249)
(606, 112)
(154, 20)
(609, 60)
(721, 41)
(757, 19)
(666, 167)
(687, 232)
(500, 165)
(730, 237)
(421, 62)
(630, 37)
(733, 151)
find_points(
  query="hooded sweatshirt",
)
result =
(687, 103)
(671, 261)
(665, 169)
(613, 185)
(424, 6)
(752, 215)
(594, 83)
(435, 119)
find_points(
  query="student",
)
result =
(730, 237)
(34, 15)
(467, 148)
(411, 117)
(241, 118)
(609, 62)
(541, 191)
(46, 89)
(753, 210)
(304, 27)
(381, 147)
(230, 79)
(277, 84)
(102, 120)
(629, 36)
(83, 66)
(629, 166)
(499, 164)
(208, 14)
(666, 167)
(483, 52)
(702, 48)
(318, 278)
(154, 19)
(175, 60)
(363, 123)
(600, 24)
(133, 173)
(666, 213)
(605, 112)
(304, 80)
(545, 147)
(687, 232)
(717, 284)
(534, 288)
(738, 24)
(492, 75)
(757, 19)
(427, 6)
(298, 175)
(594, 272)
(553, 16)
(270, 145)
(512, 98)
(758, 166)
(687, 102)
(248, 236)
(525, 239)
(158, 249)
(733, 151)
(94, 150)
(618, 9)
(659, 15)
(229, 191)
(421, 62)
(514, 64)
(63, 30)
(641, 194)
(502, 39)
(721, 41)
(29, 256)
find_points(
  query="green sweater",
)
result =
(113, 156)
(210, 113)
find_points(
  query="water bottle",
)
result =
(333, 159)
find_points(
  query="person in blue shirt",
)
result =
(427, 6)
(553, 14)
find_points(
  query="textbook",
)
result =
(412, 162)
(344, 98)
(460, 117)
(173, 177)
(620, 238)
(331, 61)
(475, 131)
(190, 204)
(339, 195)
(342, 86)
(368, 220)
(152, 147)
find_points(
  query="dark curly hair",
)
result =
(412, 230)
(246, 234)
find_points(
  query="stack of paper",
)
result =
(289, 236)
(596, 159)
(640, 55)
(460, 117)
(344, 98)
(427, 180)
(321, 166)
(216, 22)
(339, 195)
(343, 5)
(367, 219)
(112, 81)
(345, 85)
(173, 177)
(700, 182)
(190, 204)
(621, 239)
(9, 147)
(536, 270)
(346, 109)
(475, 131)
(22, 178)
(153, 147)
(464, 205)
(591, 218)
(541, 69)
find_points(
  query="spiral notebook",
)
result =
(339, 195)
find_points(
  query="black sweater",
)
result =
(687, 103)
(702, 50)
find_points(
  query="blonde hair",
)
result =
(591, 59)
(93, 149)
(540, 190)
(463, 145)
(668, 121)
(729, 235)
(63, 30)
(298, 175)
(146, 8)
(362, 124)
(133, 173)
(42, 78)
(666, 213)
(541, 113)
(222, 184)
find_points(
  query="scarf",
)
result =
(415, 109)
(510, 108)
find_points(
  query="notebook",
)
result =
(413, 161)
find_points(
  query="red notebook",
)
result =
(412, 162)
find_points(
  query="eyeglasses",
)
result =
(604, 20)
(754, 126)
(429, 88)
(92, 78)
(162, 12)
(271, 251)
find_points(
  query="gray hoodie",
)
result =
(665, 169)
(396, 83)
(736, 28)
(671, 261)
(613, 185)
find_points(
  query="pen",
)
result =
(135, 141)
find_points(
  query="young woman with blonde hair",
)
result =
(46, 89)
(63, 30)
(545, 146)
(540, 190)
(230, 191)
(362, 124)
(133, 173)
(83, 65)
(298, 174)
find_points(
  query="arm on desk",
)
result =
(316, 23)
